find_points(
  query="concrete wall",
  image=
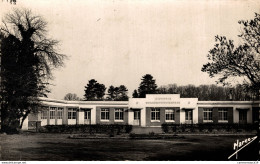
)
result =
(52, 122)
(59, 122)
(143, 117)
(93, 115)
(81, 116)
(130, 116)
(65, 116)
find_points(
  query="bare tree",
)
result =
(228, 61)
(28, 57)
(71, 97)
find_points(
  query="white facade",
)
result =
(147, 112)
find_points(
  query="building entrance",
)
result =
(137, 117)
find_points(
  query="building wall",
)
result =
(65, 116)
(80, 116)
(143, 117)
(180, 105)
(200, 115)
(130, 117)
(177, 113)
(93, 115)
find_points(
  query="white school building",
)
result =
(151, 111)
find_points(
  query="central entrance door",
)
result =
(137, 117)
(242, 116)
(87, 116)
(188, 116)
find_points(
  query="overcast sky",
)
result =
(117, 42)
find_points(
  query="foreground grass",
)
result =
(58, 147)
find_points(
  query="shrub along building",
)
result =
(152, 111)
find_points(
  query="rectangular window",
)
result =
(87, 115)
(72, 113)
(52, 112)
(207, 114)
(119, 114)
(155, 114)
(105, 114)
(188, 115)
(169, 114)
(59, 113)
(222, 114)
(44, 114)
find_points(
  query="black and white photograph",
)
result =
(129, 80)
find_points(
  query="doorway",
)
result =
(242, 116)
(87, 116)
(137, 117)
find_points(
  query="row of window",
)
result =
(72, 112)
(119, 114)
(52, 113)
(169, 114)
(222, 114)
(155, 114)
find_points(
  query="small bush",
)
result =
(209, 128)
(165, 128)
(113, 129)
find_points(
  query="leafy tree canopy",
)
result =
(147, 86)
(135, 94)
(94, 91)
(117, 93)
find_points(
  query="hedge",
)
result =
(91, 129)
(209, 128)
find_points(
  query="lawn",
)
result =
(58, 147)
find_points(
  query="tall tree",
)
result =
(27, 58)
(71, 97)
(122, 93)
(228, 61)
(117, 93)
(135, 94)
(11, 1)
(147, 86)
(111, 93)
(94, 91)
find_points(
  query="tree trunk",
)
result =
(23, 118)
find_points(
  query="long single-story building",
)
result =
(151, 111)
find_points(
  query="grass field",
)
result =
(42, 147)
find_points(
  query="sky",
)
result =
(116, 42)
